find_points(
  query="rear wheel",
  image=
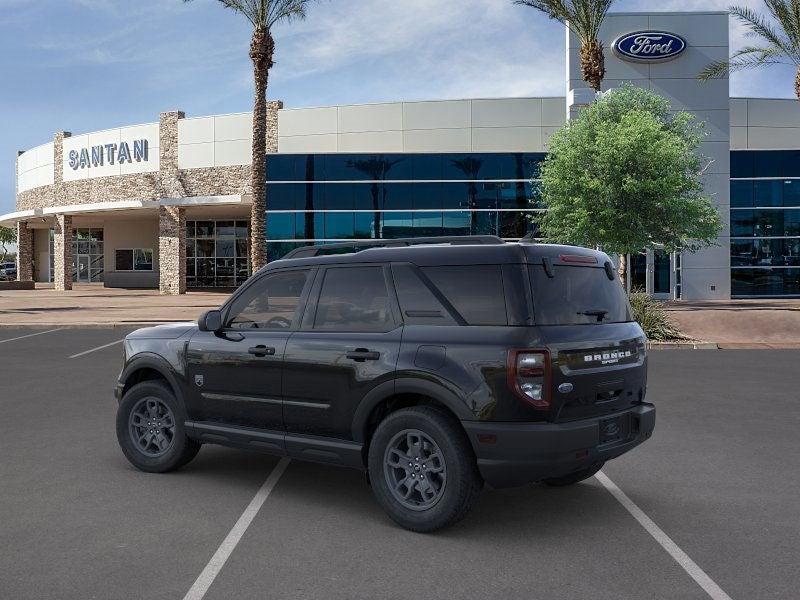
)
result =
(422, 469)
(150, 428)
(575, 477)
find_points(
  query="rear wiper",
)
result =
(599, 313)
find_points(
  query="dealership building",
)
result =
(167, 204)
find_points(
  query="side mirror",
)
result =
(210, 321)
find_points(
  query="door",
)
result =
(235, 375)
(348, 344)
(83, 268)
(662, 273)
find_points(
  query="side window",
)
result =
(418, 304)
(353, 299)
(269, 303)
(476, 292)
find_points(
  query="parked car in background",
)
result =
(8, 271)
(434, 365)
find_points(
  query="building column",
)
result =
(24, 252)
(62, 253)
(171, 250)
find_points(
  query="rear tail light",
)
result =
(529, 376)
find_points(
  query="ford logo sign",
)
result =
(649, 46)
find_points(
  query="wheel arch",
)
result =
(147, 367)
(400, 393)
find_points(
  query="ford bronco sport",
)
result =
(435, 365)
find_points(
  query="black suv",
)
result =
(434, 365)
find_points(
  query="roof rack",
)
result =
(358, 245)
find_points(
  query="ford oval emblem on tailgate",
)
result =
(565, 388)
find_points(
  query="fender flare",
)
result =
(423, 387)
(149, 360)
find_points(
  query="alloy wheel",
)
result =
(415, 470)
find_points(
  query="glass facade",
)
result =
(765, 223)
(217, 253)
(319, 198)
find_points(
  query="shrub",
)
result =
(654, 320)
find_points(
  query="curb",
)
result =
(682, 346)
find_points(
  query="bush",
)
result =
(652, 317)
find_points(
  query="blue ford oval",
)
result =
(649, 46)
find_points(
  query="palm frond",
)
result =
(759, 26)
(583, 17)
(745, 58)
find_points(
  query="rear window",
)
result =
(577, 296)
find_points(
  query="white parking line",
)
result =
(686, 563)
(96, 349)
(22, 337)
(214, 566)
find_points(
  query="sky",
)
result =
(86, 65)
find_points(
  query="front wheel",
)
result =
(422, 469)
(150, 428)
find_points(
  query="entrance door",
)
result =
(83, 269)
(662, 274)
(235, 374)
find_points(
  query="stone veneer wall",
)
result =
(24, 252)
(169, 182)
(62, 251)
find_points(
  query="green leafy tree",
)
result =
(263, 15)
(584, 19)
(8, 236)
(625, 176)
(778, 40)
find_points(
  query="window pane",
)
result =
(417, 302)
(339, 196)
(741, 194)
(426, 166)
(427, 224)
(226, 248)
(123, 260)
(791, 192)
(339, 225)
(396, 196)
(280, 226)
(742, 164)
(476, 292)
(353, 299)
(768, 163)
(204, 247)
(242, 248)
(309, 226)
(397, 225)
(270, 303)
(365, 225)
(455, 195)
(768, 193)
(425, 195)
(457, 223)
(283, 196)
(205, 229)
(281, 167)
(143, 260)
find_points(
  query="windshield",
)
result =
(577, 296)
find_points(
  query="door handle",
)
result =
(362, 354)
(261, 350)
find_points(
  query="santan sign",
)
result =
(97, 156)
(649, 46)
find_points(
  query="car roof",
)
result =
(461, 254)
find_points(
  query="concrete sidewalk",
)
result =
(740, 323)
(94, 305)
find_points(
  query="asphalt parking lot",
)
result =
(719, 478)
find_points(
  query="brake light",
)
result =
(578, 258)
(529, 376)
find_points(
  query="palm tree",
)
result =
(780, 42)
(584, 19)
(262, 15)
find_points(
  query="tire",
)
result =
(453, 483)
(168, 448)
(575, 477)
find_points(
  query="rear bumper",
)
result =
(528, 452)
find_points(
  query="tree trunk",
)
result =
(593, 64)
(262, 48)
(797, 84)
(622, 271)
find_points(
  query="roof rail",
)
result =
(358, 245)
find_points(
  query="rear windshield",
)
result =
(576, 296)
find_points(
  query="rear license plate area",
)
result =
(614, 429)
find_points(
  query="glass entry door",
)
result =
(653, 272)
(83, 269)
